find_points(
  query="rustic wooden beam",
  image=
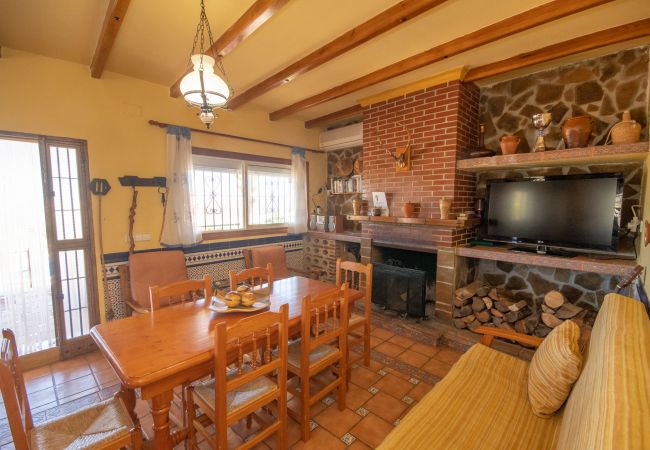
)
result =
(346, 113)
(382, 22)
(540, 15)
(247, 24)
(112, 23)
(580, 44)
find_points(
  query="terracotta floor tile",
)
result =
(99, 365)
(320, 439)
(37, 373)
(375, 341)
(293, 435)
(70, 372)
(371, 430)
(337, 422)
(437, 368)
(317, 408)
(382, 333)
(41, 398)
(402, 341)
(38, 384)
(375, 365)
(428, 350)
(75, 386)
(356, 396)
(364, 377)
(448, 355)
(420, 390)
(397, 387)
(358, 445)
(385, 406)
(413, 358)
(106, 378)
(390, 349)
(397, 373)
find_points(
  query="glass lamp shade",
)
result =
(216, 91)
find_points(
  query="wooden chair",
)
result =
(357, 276)
(181, 291)
(323, 344)
(276, 255)
(255, 277)
(104, 425)
(241, 392)
(149, 269)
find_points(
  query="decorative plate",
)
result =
(357, 166)
(344, 167)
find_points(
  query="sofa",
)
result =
(482, 403)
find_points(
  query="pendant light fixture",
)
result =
(202, 87)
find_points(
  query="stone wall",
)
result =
(342, 204)
(586, 289)
(601, 87)
(321, 254)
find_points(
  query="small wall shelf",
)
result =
(604, 154)
(620, 267)
(346, 193)
(443, 223)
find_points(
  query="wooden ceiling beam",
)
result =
(381, 23)
(580, 44)
(347, 113)
(112, 23)
(254, 17)
(540, 15)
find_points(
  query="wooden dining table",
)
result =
(159, 351)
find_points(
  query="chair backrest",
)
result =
(253, 340)
(154, 269)
(181, 291)
(261, 256)
(324, 320)
(255, 277)
(357, 276)
(14, 394)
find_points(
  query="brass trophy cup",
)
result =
(541, 121)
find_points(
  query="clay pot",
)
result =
(627, 131)
(576, 131)
(445, 206)
(509, 144)
(409, 209)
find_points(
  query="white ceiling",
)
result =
(156, 37)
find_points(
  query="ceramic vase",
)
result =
(356, 207)
(576, 131)
(409, 209)
(509, 144)
(445, 206)
(627, 131)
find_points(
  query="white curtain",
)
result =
(299, 187)
(25, 286)
(179, 226)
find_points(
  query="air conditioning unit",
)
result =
(344, 137)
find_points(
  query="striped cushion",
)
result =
(609, 407)
(555, 367)
(480, 404)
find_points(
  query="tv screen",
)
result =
(573, 211)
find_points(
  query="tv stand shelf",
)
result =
(603, 154)
(619, 267)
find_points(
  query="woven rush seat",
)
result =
(320, 352)
(95, 426)
(239, 397)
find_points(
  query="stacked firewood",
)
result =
(480, 304)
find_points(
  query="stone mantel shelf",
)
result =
(441, 223)
(346, 236)
(619, 267)
(604, 154)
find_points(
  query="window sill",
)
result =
(217, 235)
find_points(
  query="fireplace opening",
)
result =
(403, 280)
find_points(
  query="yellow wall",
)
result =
(54, 97)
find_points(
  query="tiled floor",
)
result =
(403, 369)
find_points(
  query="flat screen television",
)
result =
(576, 212)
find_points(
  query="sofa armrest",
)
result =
(136, 308)
(489, 333)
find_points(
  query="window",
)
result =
(232, 194)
